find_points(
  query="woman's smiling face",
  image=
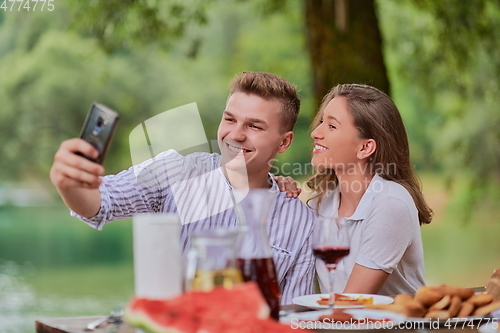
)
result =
(337, 141)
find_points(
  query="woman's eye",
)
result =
(331, 127)
(229, 119)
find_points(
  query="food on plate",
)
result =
(438, 314)
(454, 307)
(441, 302)
(427, 296)
(466, 310)
(402, 298)
(484, 310)
(479, 300)
(409, 308)
(217, 311)
(347, 300)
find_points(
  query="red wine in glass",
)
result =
(330, 243)
(262, 271)
(331, 255)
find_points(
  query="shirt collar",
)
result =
(376, 185)
(274, 185)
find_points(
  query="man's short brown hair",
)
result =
(270, 87)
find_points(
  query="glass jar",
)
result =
(212, 261)
(255, 255)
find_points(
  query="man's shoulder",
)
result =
(198, 158)
(285, 204)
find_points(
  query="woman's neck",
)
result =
(352, 188)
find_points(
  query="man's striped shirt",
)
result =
(195, 188)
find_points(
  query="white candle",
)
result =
(157, 256)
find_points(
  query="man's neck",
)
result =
(239, 180)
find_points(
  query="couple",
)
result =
(359, 140)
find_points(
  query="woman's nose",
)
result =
(317, 133)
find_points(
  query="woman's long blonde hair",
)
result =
(376, 117)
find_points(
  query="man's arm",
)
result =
(76, 178)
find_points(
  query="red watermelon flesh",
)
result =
(197, 312)
(162, 316)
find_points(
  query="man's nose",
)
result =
(237, 133)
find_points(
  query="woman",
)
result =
(363, 173)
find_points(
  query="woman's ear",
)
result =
(368, 148)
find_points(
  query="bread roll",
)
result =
(480, 300)
(441, 304)
(466, 310)
(463, 293)
(428, 296)
(484, 310)
(455, 305)
(439, 314)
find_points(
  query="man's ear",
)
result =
(286, 141)
(367, 149)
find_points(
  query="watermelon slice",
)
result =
(162, 316)
(200, 312)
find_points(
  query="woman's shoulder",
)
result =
(395, 199)
(384, 188)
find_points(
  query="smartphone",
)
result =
(99, 128)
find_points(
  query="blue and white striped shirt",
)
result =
(195, 188)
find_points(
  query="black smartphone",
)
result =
(99, 128)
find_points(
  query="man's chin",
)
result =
(234, 163)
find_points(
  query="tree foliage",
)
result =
(444, 56)
(440, 55)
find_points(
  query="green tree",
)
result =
(343, 38)
(444, 57)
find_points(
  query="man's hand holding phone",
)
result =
(78, 166)
(72, 170)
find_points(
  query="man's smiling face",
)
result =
(250, 133)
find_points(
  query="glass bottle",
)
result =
(212, 261)
(255, 255)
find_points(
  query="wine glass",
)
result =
(330, 244)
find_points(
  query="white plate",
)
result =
(311, 301)
(309, 320)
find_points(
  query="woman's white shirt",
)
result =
(385, 234)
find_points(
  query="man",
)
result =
(257, 123)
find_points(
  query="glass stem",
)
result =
(331, 301)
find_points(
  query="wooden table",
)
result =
(78, 324)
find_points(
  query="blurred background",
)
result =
(437, 59)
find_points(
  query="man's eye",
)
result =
(256, 127)
(229, 119)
